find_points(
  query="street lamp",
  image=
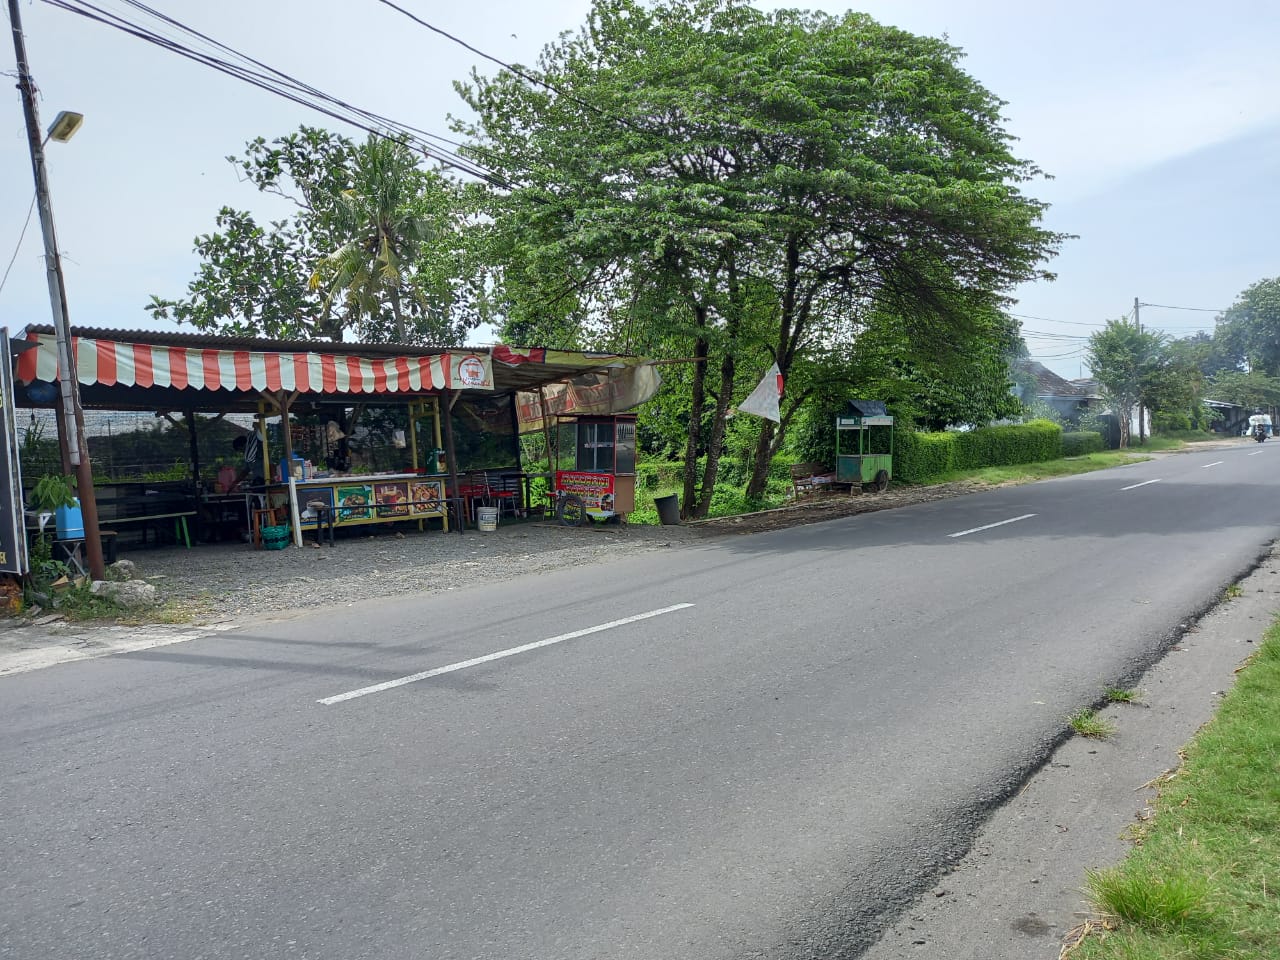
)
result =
(64, 126)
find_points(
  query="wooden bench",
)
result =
(809, 478)
(181, 533)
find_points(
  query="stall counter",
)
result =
(374, 498)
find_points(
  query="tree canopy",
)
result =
(757, 186)
(376, 246)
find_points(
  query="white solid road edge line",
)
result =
(965, 533)
(1135, 486)
(510, 652)
(1214, 464)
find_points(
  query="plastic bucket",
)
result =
(668, 509)
(69, 522)
(487, 519)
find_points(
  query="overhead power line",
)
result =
(513, 69)
(1165, 306)
(261, 75)
(21, 236)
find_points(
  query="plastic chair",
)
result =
(503, 492)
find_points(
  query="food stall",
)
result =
(864, 444)
(343, 499)
(602, 450)
(204, 390)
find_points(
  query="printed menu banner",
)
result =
(595, 489)
(353, 503)
(392, 499)
(426, 497)
(13, 537)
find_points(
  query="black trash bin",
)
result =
(668, 510)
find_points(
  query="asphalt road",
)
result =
(770, 771)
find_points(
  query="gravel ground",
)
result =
(213, 582)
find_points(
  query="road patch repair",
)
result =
(1019, 892)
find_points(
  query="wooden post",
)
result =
(190, 417)
(452, 460)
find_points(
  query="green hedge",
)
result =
(1081, 442)
(919, 457)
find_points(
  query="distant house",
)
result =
(1038, 382)
(1099, 405)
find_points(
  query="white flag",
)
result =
(763, 401)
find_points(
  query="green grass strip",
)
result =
(1204, 882)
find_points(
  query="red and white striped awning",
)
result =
(111, 363)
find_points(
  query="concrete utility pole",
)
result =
(1142, 414)
(77, 449)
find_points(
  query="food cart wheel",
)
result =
(570, 510)
(882, 481)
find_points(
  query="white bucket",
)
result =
(487, 519)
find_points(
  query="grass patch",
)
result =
(1121, 695)
(1203, 884)
(1234, 591)
(728, 501)
(1189, 436)
(78, 604)
(1158, 903)
(1088, 724)
(1026, 472)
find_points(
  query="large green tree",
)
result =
(378, 245)
(1250, 328)
(1131, 367)
(754, 185)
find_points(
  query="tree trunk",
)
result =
(763, 457)
(728, 369)
(395, 312)
(791, 321)
(715, 443)
(699, 399)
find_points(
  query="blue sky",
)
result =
(1159, 122)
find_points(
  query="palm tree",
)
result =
(382, 225)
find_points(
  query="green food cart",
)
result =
(864, 444)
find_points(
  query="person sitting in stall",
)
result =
(339, 458)
(251, 471)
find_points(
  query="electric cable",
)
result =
(21, 236)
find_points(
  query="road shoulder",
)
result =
(1018, 892)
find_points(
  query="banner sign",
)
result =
(764, 399)
(13, 536)
(595, 489)
(598, 394)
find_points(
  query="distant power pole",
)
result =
(1142, 414)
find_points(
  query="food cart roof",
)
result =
(146, 369)
(865, 408)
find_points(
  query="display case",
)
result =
(603, 463)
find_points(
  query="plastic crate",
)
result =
(275, 538)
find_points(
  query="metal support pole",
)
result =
(78, 452)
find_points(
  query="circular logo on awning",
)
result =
(471, 371)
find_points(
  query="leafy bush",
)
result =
(1169, 422)
(1082, 442)
(921, 456)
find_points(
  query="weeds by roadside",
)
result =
(1121, 695)
(1088, 724)
(1203, 883)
